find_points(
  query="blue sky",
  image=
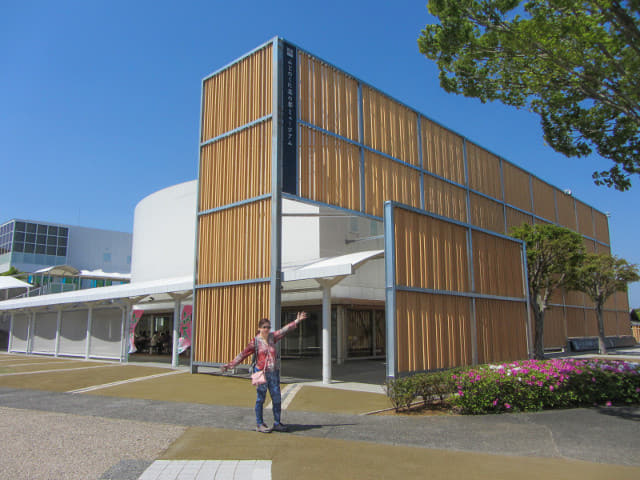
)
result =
(99, 100)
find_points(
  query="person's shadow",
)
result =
(296, 427)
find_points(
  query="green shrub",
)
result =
(401, 392)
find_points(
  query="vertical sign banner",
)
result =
(289, 117)
(184, 330)
(136, 315)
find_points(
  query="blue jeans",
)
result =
(273, 385)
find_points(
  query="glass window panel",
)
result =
(20, 226)
(63, 231)
(30, 237)
(19, 236)
(62, 242)
(62, 251)
(41, 239)
(18, 247)
(51, 250)
(40, 248)
(53, 230)
(29, 248)
(51, 240)
(31, 227)
(42, 229)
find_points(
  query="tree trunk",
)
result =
(602, 347)
(538, 342)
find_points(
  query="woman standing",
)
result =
(267, 359)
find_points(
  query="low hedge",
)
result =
(529, 385)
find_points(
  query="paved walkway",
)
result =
(99, 433)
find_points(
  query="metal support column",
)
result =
(87, 351)
(326, 332)
(56, 349)
(10, 346)
(30, 329)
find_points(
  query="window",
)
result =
(106, 257)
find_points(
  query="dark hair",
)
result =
(264, 321)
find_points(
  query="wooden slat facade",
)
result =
(544, 204)
(501, 330)
(327, 166)
(601, 225)
(442, 151)
(566, 210)
(430, 253)
(234, 241)
(517, 187)
(515, 218)
(388, 180)
(486, 213)
(555, 329)
(238, 95)
(484, 171)
(235, 244)
(434, 331)
(228, 319)
(445, 199)
(389, 127)
(328, 97)
(348, 173)
(497, 266)
(236, 167)
(585, 219)
(576, 324)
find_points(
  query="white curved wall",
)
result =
(164, 234)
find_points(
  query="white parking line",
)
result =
(54, 370)
(122, 382)
(290, 394)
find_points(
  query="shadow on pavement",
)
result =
(626, 413)
(296, 427)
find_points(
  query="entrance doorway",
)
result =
(153, 338)
(362, 341)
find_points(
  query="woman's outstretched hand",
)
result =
(301, 316)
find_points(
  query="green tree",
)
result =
(576, 63)
(553, 256)
(11, 272)
(600, 276)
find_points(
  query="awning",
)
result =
(7, 282)
(159, 289)
(331, 267)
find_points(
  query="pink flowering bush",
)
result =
(533, 385)
(528, 385)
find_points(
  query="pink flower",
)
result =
(507, 406)
(551, 388)
(608, 404)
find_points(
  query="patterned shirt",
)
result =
(268, 357)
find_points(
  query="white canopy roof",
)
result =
(130, 290)
(331, 267)
(62, 270)
(7, 282)
(160, 289)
